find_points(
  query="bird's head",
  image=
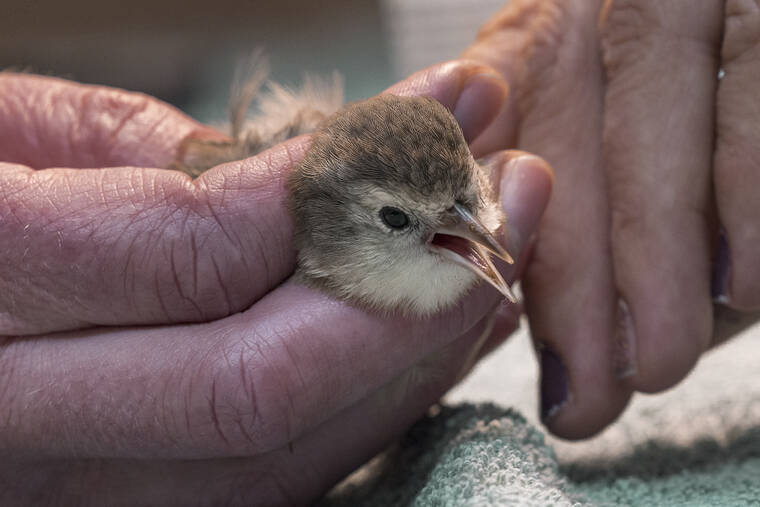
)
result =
(392, 211)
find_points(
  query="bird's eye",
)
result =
(394, 217)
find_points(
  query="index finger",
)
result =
(659, 127)
(51, 122)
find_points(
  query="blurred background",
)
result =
(185, 52)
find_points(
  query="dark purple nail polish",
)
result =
(721, 271)
(624, 352)
(554, 383)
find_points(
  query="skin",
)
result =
(652, 156)
(153, 350)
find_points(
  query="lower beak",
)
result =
(470, 244)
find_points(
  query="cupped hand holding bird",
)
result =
(155, 349)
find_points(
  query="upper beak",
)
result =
(469, 243)
(471, 228)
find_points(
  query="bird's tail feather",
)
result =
(318, 97)
(250, 77)
(281, 112)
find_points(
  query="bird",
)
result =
(391, 212)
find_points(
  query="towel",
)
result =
(697, 444)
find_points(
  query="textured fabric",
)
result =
(698, 444)
(467, 456)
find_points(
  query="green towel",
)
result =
(481, 455)
(698, 444)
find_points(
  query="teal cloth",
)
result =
(481, 455)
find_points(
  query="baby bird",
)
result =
(391, 211)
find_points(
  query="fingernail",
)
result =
(554, 384)
(721, 271)
(491, 164)
(624, 358)
(525, 187)
(485, 87)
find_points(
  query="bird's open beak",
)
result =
(470, 244)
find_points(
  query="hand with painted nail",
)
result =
(621, 97)
(154, 347)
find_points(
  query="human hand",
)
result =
(153, 350)
(652, 154)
